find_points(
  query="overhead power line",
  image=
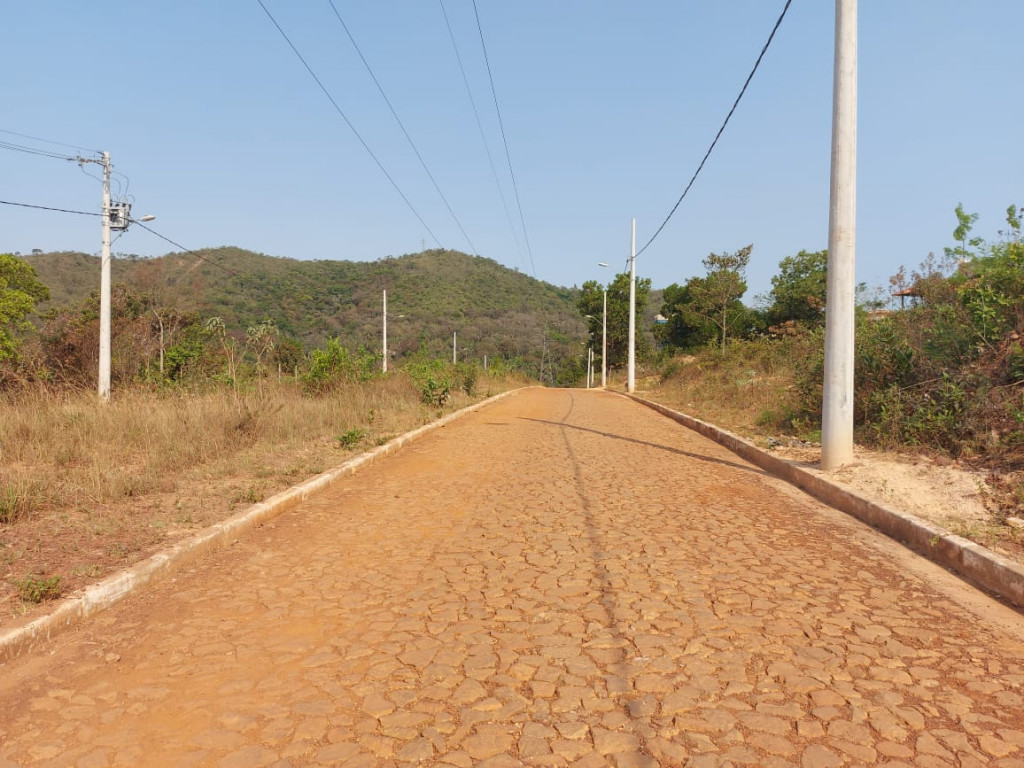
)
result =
(483, 135)
(501, 125)
(35, 151)
(133, 221)
(181, 247)
(48, 141)
(401, 125)
(720, 130)
(47, 208)
(348, 122)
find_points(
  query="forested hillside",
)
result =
(495, 311)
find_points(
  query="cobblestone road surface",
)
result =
(563, 578)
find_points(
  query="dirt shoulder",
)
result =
(947, 493)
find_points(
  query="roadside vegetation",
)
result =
(85, 490)
(498, 313)
(939, 361)
(204, 421)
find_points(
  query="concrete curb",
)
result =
(101, 595)
(970, 560)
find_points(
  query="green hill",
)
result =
(495, 311)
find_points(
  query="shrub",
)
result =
(434, 379)
(333, 366)
(350, 438)
(467, 374)
(33, 589)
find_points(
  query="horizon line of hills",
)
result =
(495, 310)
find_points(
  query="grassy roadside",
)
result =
(750, 389)
(87, 490)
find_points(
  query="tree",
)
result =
(229, 347)
(716, 298)
(965, 251)
(163, 304)
(798, 291)
(20, 290)
(991, 288)
(590, 303)
(261, 339)
(69, 337)
(683, 328)
(288, 354)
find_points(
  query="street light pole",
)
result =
(837, 396)
(631, 376)
(384, 345)
(604, 334)
(112, 216)
(104, 371)
(604, 342)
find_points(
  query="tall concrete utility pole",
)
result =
(604, 341)
(631, 377)
(604, 333)
(455, 347)
(104, 372)
(384, 345)
(837, 400)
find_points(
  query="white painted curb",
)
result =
(103, 594)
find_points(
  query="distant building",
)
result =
(912, 292)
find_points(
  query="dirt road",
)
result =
(562, 578)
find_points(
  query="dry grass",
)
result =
(86, 489)
(749, 389)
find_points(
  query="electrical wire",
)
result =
(33, 151)
(483, 135)
(48, 141)
(81, 167)
(401, 125)
(348, 122)
(501, 125)
(127, 185)
(181, 247)
(47, 208)
(133, 221)
(718, 135)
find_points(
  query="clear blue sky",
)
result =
(608, 108)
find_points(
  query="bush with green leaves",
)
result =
(20, 290)
(334, 366)
(467, 376)
(434, 379)
(38, 589)
(350, 438)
